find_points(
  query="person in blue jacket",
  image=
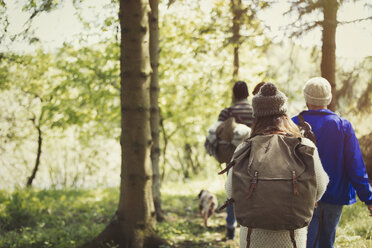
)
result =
(341, 158)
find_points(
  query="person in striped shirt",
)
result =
(242, 110)
(241, 107)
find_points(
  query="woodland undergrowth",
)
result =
(32, 218)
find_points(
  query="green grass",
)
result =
(184, 226)
(355, 227)
(53, 218)
(68, 218)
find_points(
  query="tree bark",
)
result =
(133, 225)
(328, 63)
(155, 113)
(38, 155)
(237, 13)
(136, 208)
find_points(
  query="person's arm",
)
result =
(355, 168)
(228, 184)
(322, 178)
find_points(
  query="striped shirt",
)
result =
(241, 109)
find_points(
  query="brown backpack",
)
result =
(225, 133)
(273, 183)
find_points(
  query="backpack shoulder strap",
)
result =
(301, 119)
(305, 128)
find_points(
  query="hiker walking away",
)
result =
(241, 109)
(275, 178)
(341, 157)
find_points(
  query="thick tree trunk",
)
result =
(38, 155)
(237, 13)
(328, 63)
(136, 208)
(113, 234)
(155, 113)
(133, 225)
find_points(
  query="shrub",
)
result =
(18, 212)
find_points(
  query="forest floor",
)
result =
(67, 218)
(183, 226)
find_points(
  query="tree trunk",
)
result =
(155, 113)
(133, 225)
(237, 13)
(328, 63)
(136, 208)
(38, 155)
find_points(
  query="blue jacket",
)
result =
(341, 157)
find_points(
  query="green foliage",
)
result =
(183, 226)
(365, 143)
(79, 87)
(195, 77)
(289, 67)
(307, 15)
(34, 77)
(356, 83)
(62, 94)
(355, 228)
(17, 212)
(60, 219)
(74, 92)
(89, 90)
(354, 94)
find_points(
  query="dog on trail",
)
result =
(207, 206)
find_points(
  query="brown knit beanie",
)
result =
(269, 101)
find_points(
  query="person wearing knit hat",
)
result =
(271, 119)
(242, 111)
(317, 92)
(341, 157)
(269, 101)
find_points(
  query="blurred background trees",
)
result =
(60, 107)
(85, 112)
